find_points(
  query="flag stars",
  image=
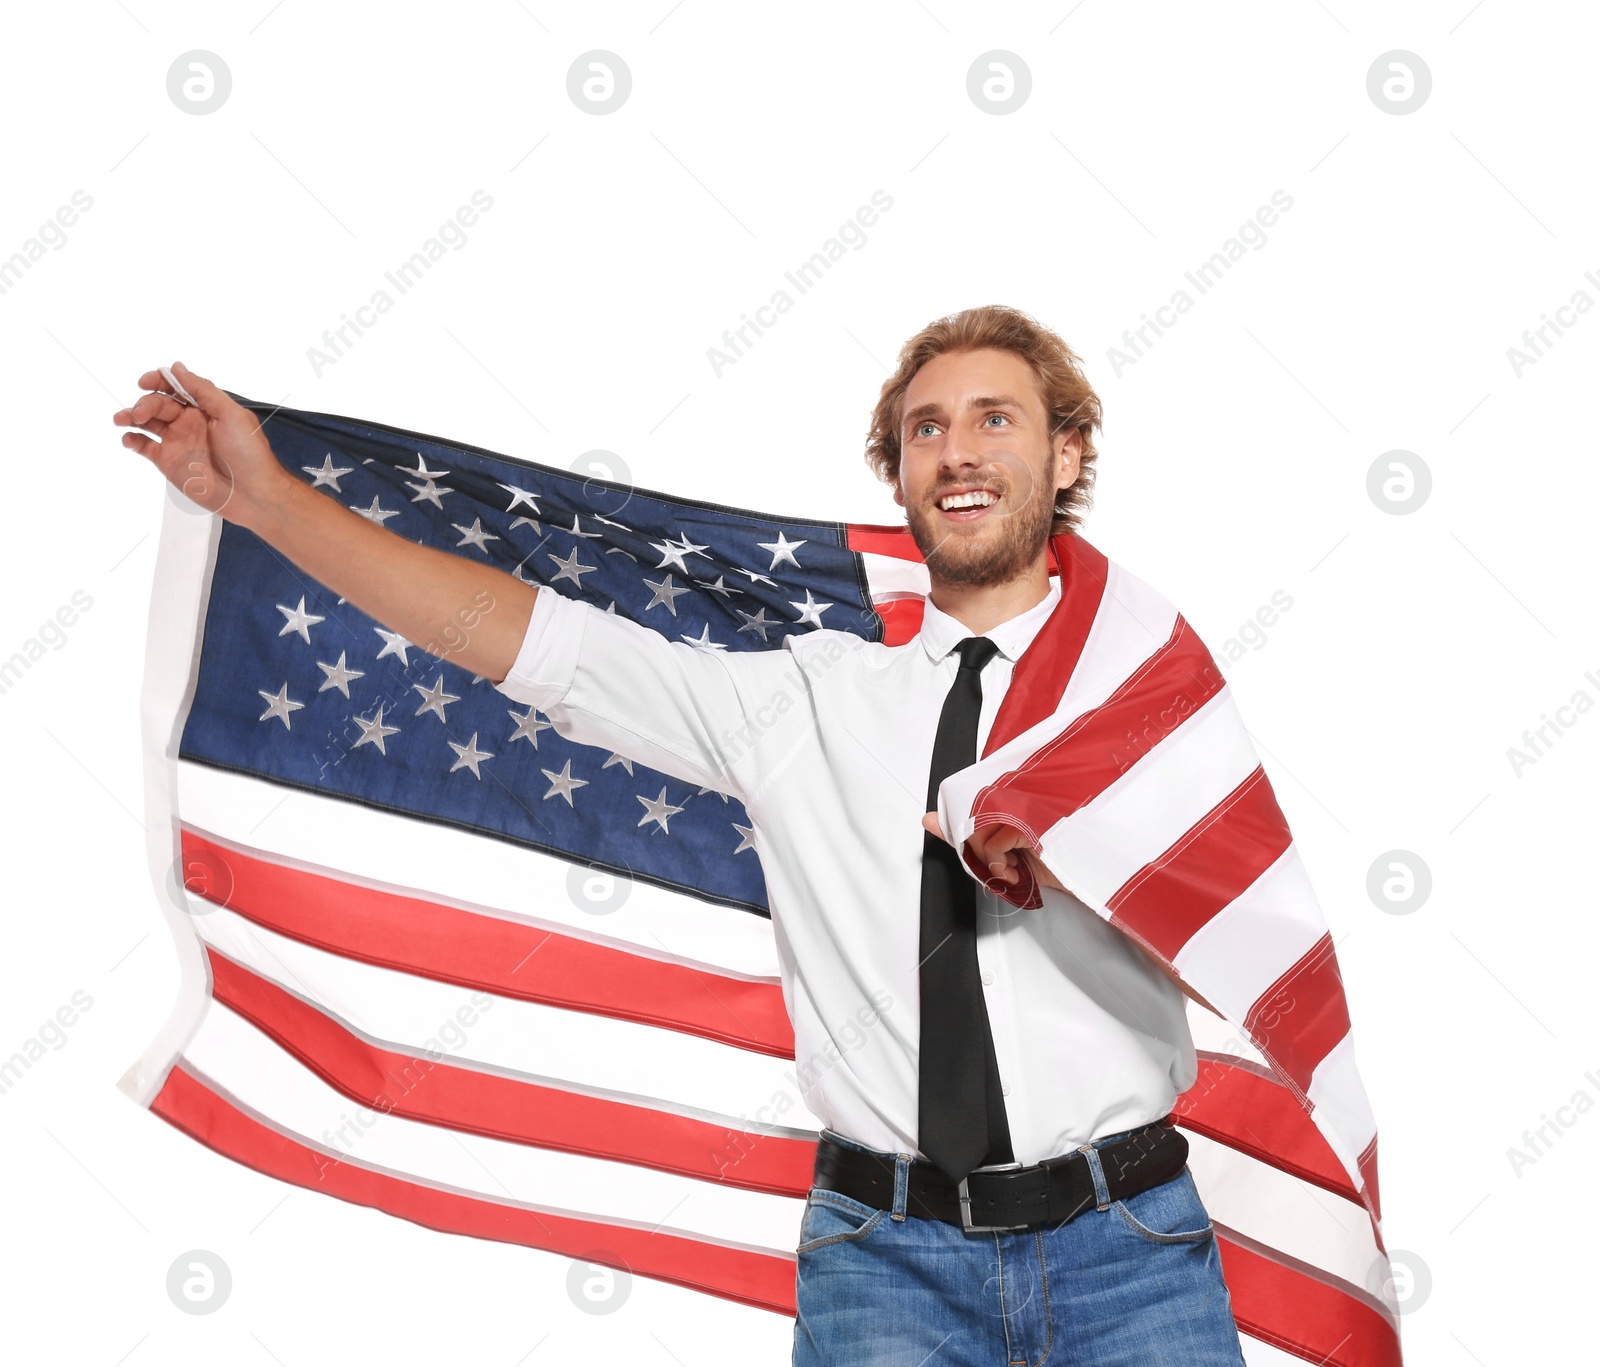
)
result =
(327, 473)
(703, 640)
(657, 809)
(394, 644)
(421, 470)
(528, 727)
(429, 492)
(663, 593)
(576, 530)
(570, 568)
(672, 553)
(299, 620)
(623, 760)
(374, 730)
(782, 551)
(757, 621)
(338, 676)
(721, 588)
(434, 700)
(519, 497)
(376, 513)
(279, 705)
(563, 782)
(468, 756)
(747, 838)
(810, 610)
(475, 535)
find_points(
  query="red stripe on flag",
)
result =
(450, 945)
(1087, 757)
(1303, 1015)
(1213, 863)
(1035, 693)
(1368, 1165)
(514, 1109)
(1301, 1312)
(902, 619)
(763, 1280)
(1259, 1116)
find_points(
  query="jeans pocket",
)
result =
(831, 1217)
(1169, 1213)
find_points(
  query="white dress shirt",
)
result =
(828, 743)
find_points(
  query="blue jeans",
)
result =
(1124, 1284)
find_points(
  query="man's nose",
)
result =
(961, 452)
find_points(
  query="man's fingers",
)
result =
(137, 441)
(148, 408)
(211, 399)
(930, 822)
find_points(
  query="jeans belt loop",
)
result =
(1102, 1193)
(966, 1200)
(902, 1184)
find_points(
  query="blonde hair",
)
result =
(1068, 397)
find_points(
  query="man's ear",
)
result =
(898, 496)
(1069, 452)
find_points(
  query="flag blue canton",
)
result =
(299, 687)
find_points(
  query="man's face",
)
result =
(975, 423)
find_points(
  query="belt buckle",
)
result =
(966, 1200)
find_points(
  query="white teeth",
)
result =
(978, 498)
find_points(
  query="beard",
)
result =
(983, 555)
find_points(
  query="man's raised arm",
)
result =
(217, 455)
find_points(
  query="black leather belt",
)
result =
(1007, 1195)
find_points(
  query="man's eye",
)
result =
(998, 415)
(921, 426)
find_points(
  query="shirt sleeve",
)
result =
(604, 680)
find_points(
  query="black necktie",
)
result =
(961, 1115)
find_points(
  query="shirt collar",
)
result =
(940, 631)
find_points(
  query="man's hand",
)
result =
(216, 455)
(1002, 850)
(473, 614)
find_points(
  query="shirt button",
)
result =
(988, 978)
(1005, 1089)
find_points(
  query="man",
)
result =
(995, 1174)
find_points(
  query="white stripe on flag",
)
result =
(528, 1039)
(232, 1054)
(1154, 804)
(362, 844)
(1256, 938)
(1281, 1211)
(889, 576)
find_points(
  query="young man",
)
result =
(994, 1175)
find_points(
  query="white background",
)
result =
(578, 315)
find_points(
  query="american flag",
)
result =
(440, 961)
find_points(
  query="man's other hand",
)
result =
(1002, 850)
(215, 454)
